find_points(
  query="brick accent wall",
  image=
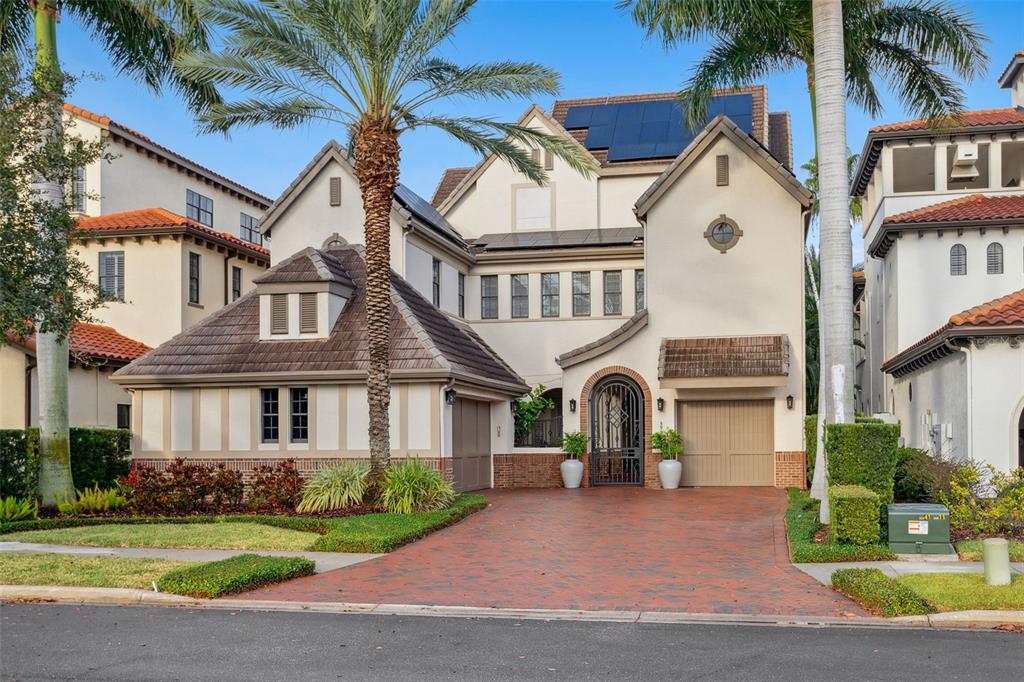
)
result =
(791, 469)
(650, 460)
(528, 470)
(306, 466)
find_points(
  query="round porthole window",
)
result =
(723, 233)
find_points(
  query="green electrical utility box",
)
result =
(919, 529)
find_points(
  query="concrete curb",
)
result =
(93, 595)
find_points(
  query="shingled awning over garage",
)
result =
(713, 361)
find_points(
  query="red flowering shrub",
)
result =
(278, 487)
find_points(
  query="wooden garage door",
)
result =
(727, 442)
(471, 446)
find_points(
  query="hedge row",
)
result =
(879, 593)
(854, 511)
(98, 457)
(863, 453)
(801, 527)
(238, 574)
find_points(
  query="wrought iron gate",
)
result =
(616, 433)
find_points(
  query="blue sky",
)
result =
(596, 48)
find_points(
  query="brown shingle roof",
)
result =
(308, 265)
(973, 207)
(609, 341)
(422, 338)
(725, 356)
(450, 179)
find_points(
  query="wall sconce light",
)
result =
(661, 404)
(514, 406)
(789, 402)
(572, 404)
(449, 396)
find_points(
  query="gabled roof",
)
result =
(406, 199)
(308, 265)
(143, 142)
(425, 342)
(721, 125)
(559, 239)
(970, 122)
(96, 343)
(609, 341)
(155, 221)
(1005, 80)
(450, 179)
(974, 210)
(1000, 316)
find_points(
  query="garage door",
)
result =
(471, 446)
(727, 442)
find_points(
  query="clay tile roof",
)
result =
(969, 119)
(98, 342)
(727, 356)
(972, 207)
(1008, 309)
(161, 221)
(449, 181)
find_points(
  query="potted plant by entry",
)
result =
(670, 469)
(575, 445)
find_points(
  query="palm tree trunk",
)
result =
(836, 245)
(51, 348)
(376, 165)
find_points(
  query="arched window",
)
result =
(958, 260)
(994, 258)
(546, 430)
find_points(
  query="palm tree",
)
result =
(140, 37)
(373, 68)
(836, 309)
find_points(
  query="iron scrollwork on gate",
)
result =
(616, 433)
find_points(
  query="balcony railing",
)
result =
(545, 432)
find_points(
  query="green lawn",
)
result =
(24, 568)
(970, 550)
(965, 591)
(184, 535)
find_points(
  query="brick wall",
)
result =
(528, 470)
(791, 469)
(306, 466)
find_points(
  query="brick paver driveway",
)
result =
(709, 550)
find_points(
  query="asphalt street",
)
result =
(60, 642)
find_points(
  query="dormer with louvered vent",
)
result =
(303, 296)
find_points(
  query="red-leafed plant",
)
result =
(277, 488)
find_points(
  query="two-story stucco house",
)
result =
(168, 240)
(942, 315)
(665, 291)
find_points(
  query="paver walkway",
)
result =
(709, 550)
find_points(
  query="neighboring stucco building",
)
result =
(664, 291)
(944, 239)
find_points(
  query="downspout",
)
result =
(28, 392)
(970, 395)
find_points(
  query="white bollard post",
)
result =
(996, 553)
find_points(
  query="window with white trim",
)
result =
(269, 415)
(581, 294)
(299, 412)
(520, 296)
(549, 298)
(489, 297)
(613, 292)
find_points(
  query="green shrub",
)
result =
(984, 501)
(335, 488)
(412, 486)
(854, 511)
(921, 477)
(18, 509)
(98, 457)
(811, 437)
(230, 576)
(801, 527)
(669, 442)
(92, 501)
(879, 593)
(863, 454)
(574, 444)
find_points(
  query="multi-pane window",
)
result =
(435, 269)
(613, 292)
(112, 274)
(994, 258)
(236, 282)
(193, 278)
(489, 297)
(520, 296)
(199, 208)
(299, 399)
(462, 294)
(580, 294)
(958, 260)
(269, 415)
(78, 189)
(639, 289)
(549, 303)
(247, 228)
(124, 416)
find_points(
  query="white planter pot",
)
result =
(670, 471)
(572, 473)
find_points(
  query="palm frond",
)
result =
(921, 89)
(15, 27)
(935, 30)
(281, 113)
(688, 20)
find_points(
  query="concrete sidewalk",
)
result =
(325, 561)
(823, 572)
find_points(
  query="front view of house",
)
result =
(665, 291)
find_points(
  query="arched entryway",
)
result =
(616, 429)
